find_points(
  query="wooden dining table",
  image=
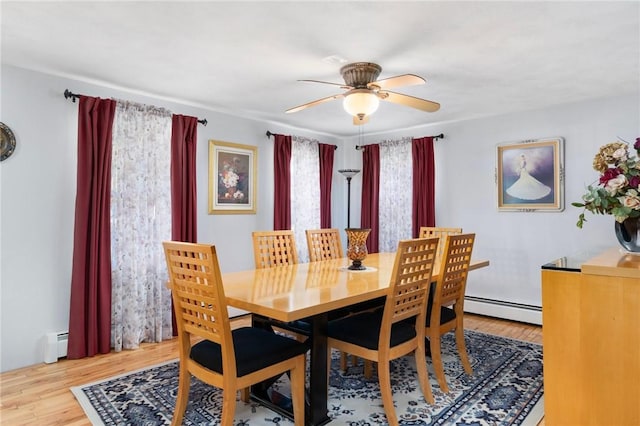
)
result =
(310, 291)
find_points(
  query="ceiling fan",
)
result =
(364, 91)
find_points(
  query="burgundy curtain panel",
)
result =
(370, 205)
(424, 210)
(90, 311)
(327, 153)
(184, 201)
(282, 183)
(184, 205)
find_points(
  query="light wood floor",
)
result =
(40, 395)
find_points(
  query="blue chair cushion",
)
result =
(364, 330)
(303, 326)
(254, 349)
(446, 314)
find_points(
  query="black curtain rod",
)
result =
(436, 137)
(74, 96)
(269, 134)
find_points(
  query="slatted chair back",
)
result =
(198, 296)
(452, 279)
(410, 282)
(274, 248)
(324, 244)
(431, 232)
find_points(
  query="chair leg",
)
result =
(368, 368)
(423, 373)
(384, 378)
(436, 360)
(228, 406)
(343, 362)
(184, 382)
(462, 349)
(245, 394)
(298, 391)
(344, 359)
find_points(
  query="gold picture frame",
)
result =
(233, 170)
(530, 175)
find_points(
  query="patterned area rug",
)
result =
(505, 389)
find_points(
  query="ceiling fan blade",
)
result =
(341, 85)
(398, 81)
(410, 101)
(314, 103)
(357, 121)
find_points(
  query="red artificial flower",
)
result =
(609, 174)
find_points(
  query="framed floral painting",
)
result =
(232, 178)
(530, 175)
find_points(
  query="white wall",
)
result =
(518, 243)
(38, 184)
(38, 196)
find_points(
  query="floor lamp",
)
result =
(349, 173)
(356, 237)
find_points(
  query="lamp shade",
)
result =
(348, 172)
(360, 102)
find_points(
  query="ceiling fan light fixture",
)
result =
(360, 102)
(364, 92)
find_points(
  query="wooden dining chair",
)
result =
(431, 232)
(324, 244)
(445, 311)
(274, 248)
(210, 350)
(382, 336)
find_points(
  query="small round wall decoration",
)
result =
(7, 142)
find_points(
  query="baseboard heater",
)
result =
(55, 346)
(500, 309)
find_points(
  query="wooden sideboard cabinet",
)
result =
(591, 340)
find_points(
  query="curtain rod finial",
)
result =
(68, 94)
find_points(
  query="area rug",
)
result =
(505, 389)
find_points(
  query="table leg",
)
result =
(317, 413)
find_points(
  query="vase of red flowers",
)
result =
(617, 191)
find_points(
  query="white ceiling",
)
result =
(244, 58)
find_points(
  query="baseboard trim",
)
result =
(500, 309)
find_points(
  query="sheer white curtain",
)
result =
(140, 221)
(396, 193)
(305, 191)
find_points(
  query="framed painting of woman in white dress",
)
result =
(530, 175)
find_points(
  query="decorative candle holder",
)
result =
(357, 247)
